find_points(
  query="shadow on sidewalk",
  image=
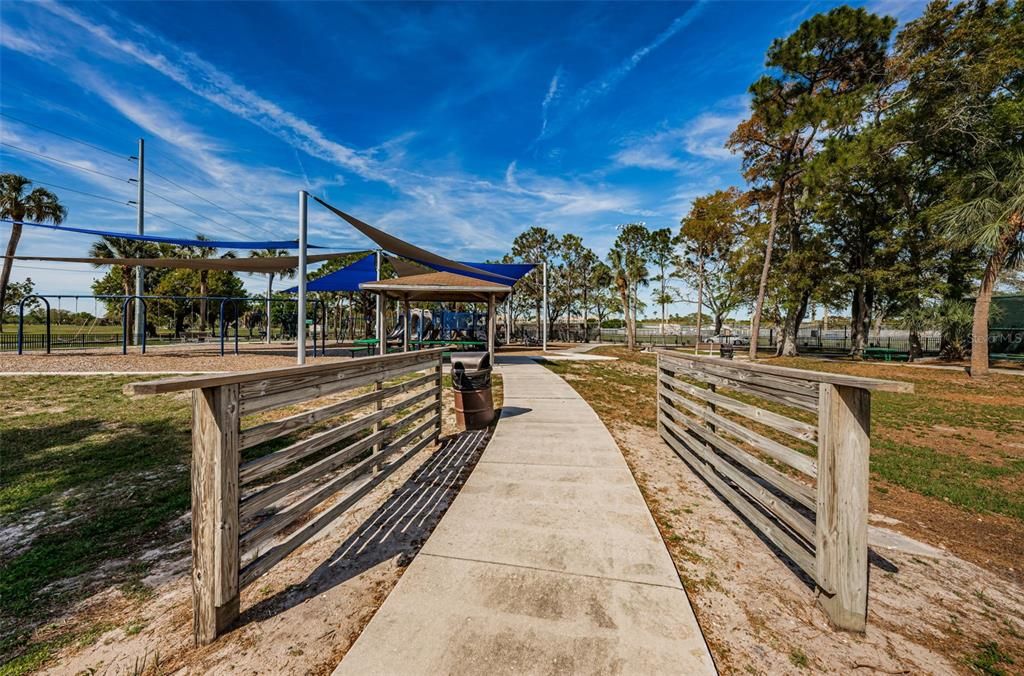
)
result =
(399, 527)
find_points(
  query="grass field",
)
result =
(947, 461)
(92, 480)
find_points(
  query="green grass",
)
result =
(108, 473)
(96, 477)
(979, 482)
(990, 660)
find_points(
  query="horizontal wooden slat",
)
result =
(777, 536)
(774, 395)
(795, 428)
(275, 385)
(725, 369)
(252, 402)
(259, 467)
(872, 384)
(194, 382)
(251, 504)
(279, 428)
(265, 562)
(801, 400)
(256, 538)
(770, 447)
(794, 489)
(796, 521)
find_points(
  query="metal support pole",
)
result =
(492, 318)
(300, 332)
(407, 318)
(544, 325)
(508, 319)
(140, 274)
(382, 344)
(270, 291)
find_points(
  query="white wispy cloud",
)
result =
(602, 86)
(431, 201)
(549, 98)
(686, 148)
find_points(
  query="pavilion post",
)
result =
(382, 347)
(544, 323)
(508, 319)
(491, 326)
(300, 330)
(407, 318)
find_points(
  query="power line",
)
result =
(221, 189)
(212, 203)
(82, 192)
(70, 138)
(70, 164)
(192, 211)
(33, 267)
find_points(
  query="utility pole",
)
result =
(140, 273)
(300, 330)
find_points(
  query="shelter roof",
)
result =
(440, 287)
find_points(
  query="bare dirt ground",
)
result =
(932, 614)
(302, 616)
(177, 359)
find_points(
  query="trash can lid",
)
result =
(471, 361)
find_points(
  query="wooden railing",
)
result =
(242, 508)
(812, 505)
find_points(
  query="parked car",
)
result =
(729, 340)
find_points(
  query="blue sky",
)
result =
(455, 126)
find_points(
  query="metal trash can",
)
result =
(471, 381)
(725, 350)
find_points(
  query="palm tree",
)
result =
(289, 273)
(119, 247)
(205, 252)
(40, 205)
(990, 218)
(618, 265)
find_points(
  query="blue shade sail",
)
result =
(215, 243)
(347, 279)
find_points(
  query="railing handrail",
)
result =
(871, 384)
(179, 384)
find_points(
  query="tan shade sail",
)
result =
(264, 265)
(406, 250)
(404, 268)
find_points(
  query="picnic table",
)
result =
(886, 354)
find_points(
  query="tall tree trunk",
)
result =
(662, 299)
(202, 300)
(719, 320)
(624, 297)
(128, 309)
(755, 320)
(983, 305)
(5, 275)
(791, 328)
(700, 303)
(586, 315)
(858, 321)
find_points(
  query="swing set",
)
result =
(319, 312)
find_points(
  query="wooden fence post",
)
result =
(215, 532)
(841, 526)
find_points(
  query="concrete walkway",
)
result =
(548, 561)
